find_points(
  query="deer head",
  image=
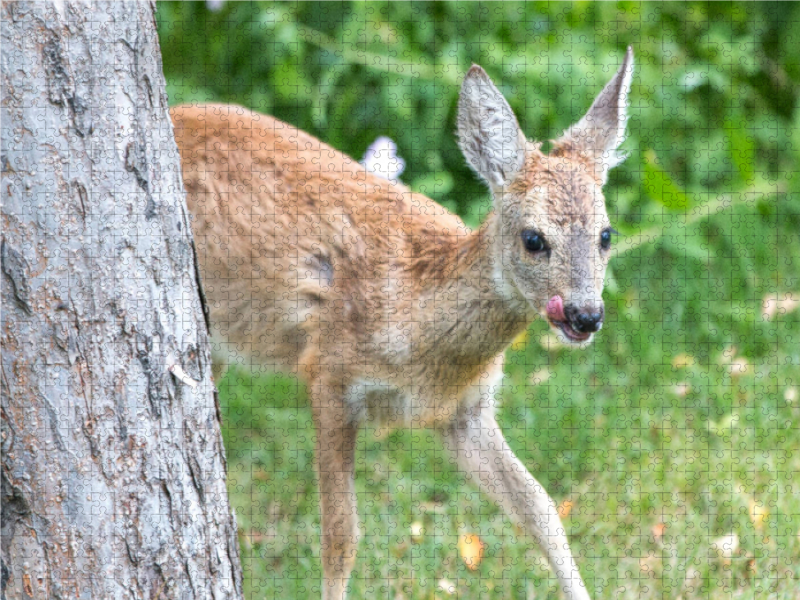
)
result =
(552, 235)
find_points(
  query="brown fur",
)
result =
(385, 303)
(393, 255)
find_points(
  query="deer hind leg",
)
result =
(335, 448)
(483, 454)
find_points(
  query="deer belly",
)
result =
(380, 402)
(392, 406)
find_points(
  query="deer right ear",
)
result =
(595, 138)
(488, 132)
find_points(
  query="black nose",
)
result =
(584, 321)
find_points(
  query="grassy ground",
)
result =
(678, 428)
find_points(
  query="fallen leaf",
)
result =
(262, 475)
(417, 529)
(658, 530)
(773, 305)
(683, 361)
(400, 550)
(471, 548)
(254, 536)
(693, 580)
(758, 514)
(565, 508)
(648, 564)
(727, 545)
(752, 569)
(520, 342)
(728, 354)
(682, 389)
(540, 376)
(739, 366)
(447, 586)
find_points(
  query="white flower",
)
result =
(382, 160)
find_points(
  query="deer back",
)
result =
(299, 246)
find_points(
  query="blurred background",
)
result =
(672, 445)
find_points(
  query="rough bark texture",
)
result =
(113, 472)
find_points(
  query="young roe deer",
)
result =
(385, 303)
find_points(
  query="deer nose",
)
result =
(587, 320)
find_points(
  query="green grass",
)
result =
(630, 439)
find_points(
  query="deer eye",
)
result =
(605, 238)
(533, 241)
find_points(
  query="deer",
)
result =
(384, 303)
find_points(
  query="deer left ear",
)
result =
(488, 132)
(594, 139)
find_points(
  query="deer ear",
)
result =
(488, 132)
(595, 139)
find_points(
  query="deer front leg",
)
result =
(483, 454)
(335, 454)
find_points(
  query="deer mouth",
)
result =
(558, 320)
(569, 332)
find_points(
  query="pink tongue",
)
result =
(555, 309)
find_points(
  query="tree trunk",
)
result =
(113, 471)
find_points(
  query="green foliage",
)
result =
(661, 187)
(713, 95)
(709, 207)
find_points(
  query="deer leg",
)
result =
(483, 454)
(335, 454)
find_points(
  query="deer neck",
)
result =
(477, 311)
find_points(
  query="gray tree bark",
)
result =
(113, 471)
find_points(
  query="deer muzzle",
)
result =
(577, 324)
